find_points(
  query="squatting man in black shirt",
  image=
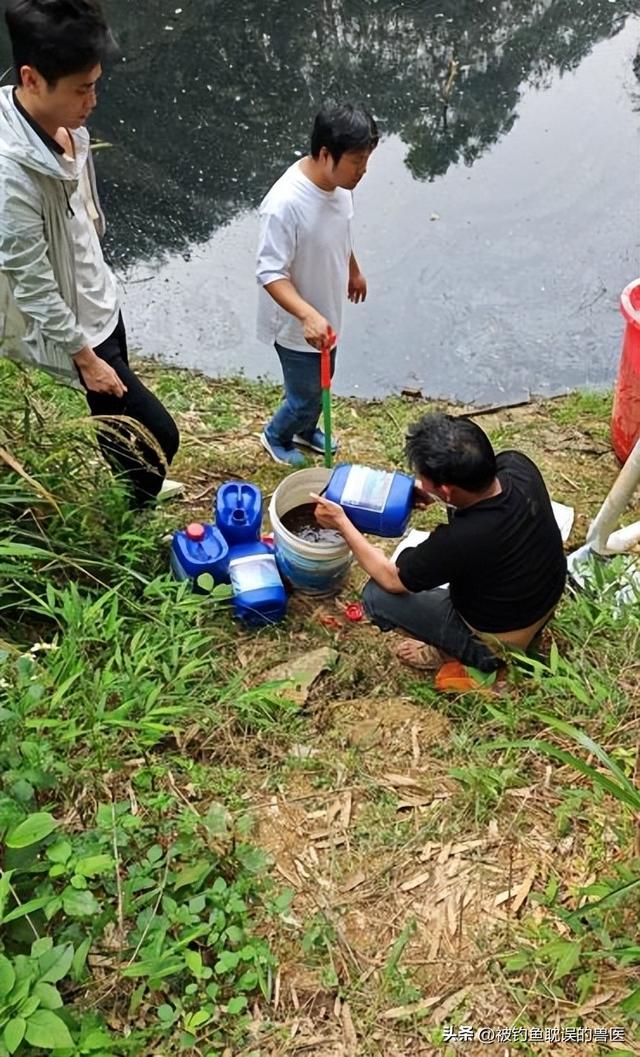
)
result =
(500, 553)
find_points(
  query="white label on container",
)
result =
(368, 489)
(256, 572)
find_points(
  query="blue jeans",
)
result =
(430, 617)
(300, 409)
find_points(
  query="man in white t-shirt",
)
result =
(59, 302)
(306, 265)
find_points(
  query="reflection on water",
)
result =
(213, 99)
(214, 96)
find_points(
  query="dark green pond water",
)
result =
(496, 231)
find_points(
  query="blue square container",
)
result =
(376, 501)
(238, 511)
(199, 552)
(259, 595)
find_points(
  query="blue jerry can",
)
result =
(376, 501)
(200, 553)
(259, 595)
(238, 511)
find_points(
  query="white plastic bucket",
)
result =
(312, 568)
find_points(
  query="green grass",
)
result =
(577, 409)
(166, 871)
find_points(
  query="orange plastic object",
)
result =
(454, 678)
(625, 421)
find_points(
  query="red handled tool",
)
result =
(325, 384)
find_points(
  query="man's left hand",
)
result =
(421, 500)
(357, 288)
(329, 515)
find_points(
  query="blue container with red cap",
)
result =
(200, 554)
(232, 552)
(376, 501)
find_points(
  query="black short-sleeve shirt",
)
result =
(502, 557)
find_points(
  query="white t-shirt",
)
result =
(305, 236)
(97, 291)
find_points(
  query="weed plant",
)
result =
(130, 910)
(138, 914)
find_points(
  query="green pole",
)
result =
(325, 382)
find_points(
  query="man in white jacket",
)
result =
(59, 302)
(307, 267)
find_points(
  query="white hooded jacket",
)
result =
(38, 294)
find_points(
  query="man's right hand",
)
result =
(97, 375)
(329, 514)
(316, 329)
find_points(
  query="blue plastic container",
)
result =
(259, 596)
(238, 511)
(376, 501)
(200, 554)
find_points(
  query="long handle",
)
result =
(325, 384)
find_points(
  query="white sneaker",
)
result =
(170, 489)
(315, 443)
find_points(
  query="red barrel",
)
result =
(625, 421)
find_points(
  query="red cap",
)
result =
(195, 531)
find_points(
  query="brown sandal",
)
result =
(422, 656)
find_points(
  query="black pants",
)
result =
(126, 449)
(430, 617)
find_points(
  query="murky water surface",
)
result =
(301, 522)
(497, 223)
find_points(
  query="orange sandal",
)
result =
(456, 678)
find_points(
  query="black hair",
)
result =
(58, 37)
(343, 127)
(451, 449)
